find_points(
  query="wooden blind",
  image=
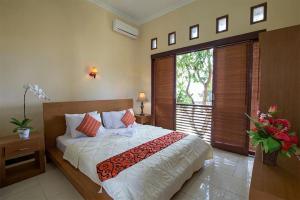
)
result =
(255, 89)
(164, 91)
(230, 98)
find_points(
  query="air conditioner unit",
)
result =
(126, 29)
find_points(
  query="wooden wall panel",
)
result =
(164, 99)
(280, 72)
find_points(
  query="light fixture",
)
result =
(93, 72)
(142, 98)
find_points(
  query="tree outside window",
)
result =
(194, 77)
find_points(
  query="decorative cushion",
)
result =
(70, 117)
(128, 118)
(74, 121)
(89, 126)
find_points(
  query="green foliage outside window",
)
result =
(194, 70)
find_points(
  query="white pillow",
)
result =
(112, 120)
(67, 116)
(75, 119)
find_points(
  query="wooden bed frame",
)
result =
(54, 126)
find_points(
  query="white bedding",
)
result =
(158, 177)
(64, 140)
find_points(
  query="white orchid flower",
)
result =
(37, 91)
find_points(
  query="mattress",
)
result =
(63, 141)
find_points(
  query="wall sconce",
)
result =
(93, 72)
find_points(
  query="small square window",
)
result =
(258, 13)
(153, 43)
(222, 24)
(172, 38)
(194, 32)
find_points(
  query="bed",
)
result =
(143, 180)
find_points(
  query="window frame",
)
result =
(153, 39)
(265, 6)
(191, 28)
(169, 37)
(227, 23)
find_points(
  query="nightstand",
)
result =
(21, 159)
(144, 119)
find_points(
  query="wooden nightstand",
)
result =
(21, 159)
(144, 119)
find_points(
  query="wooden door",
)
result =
(231, 98)
(280, 73)
(164, 91)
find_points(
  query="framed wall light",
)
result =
(194, 32)
(153, 43)
(222, 24)
(258, 13)
(172, 38)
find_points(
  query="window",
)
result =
(194, 32)
(222, 24)
(153, 43)
(258, 13)
(172, 38)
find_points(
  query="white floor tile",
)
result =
(226, 177)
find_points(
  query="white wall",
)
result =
(204, 12)
(51, 43)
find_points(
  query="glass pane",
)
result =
(258, 14)
(222, 24)
(154, 44)
(194, 32)
(172, 38)
(194, 77)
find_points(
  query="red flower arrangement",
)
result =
(273, 134)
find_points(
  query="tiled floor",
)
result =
(226, 177)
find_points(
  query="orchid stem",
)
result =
(25, 103)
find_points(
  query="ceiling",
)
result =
(140, 11)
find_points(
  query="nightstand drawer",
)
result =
(143, 119)
(22, 147)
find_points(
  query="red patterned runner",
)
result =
(113, 166)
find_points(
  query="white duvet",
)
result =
(159, 176)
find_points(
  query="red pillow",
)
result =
(89, 126)
(128, 118)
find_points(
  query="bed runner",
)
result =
(113, 166)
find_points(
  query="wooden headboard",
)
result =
(54, 119)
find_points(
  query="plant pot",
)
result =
(24, 133)
(270, 158)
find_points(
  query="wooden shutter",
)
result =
(230, 98)
(163, 92)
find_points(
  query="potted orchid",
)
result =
(23, 127)
(274, 135)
